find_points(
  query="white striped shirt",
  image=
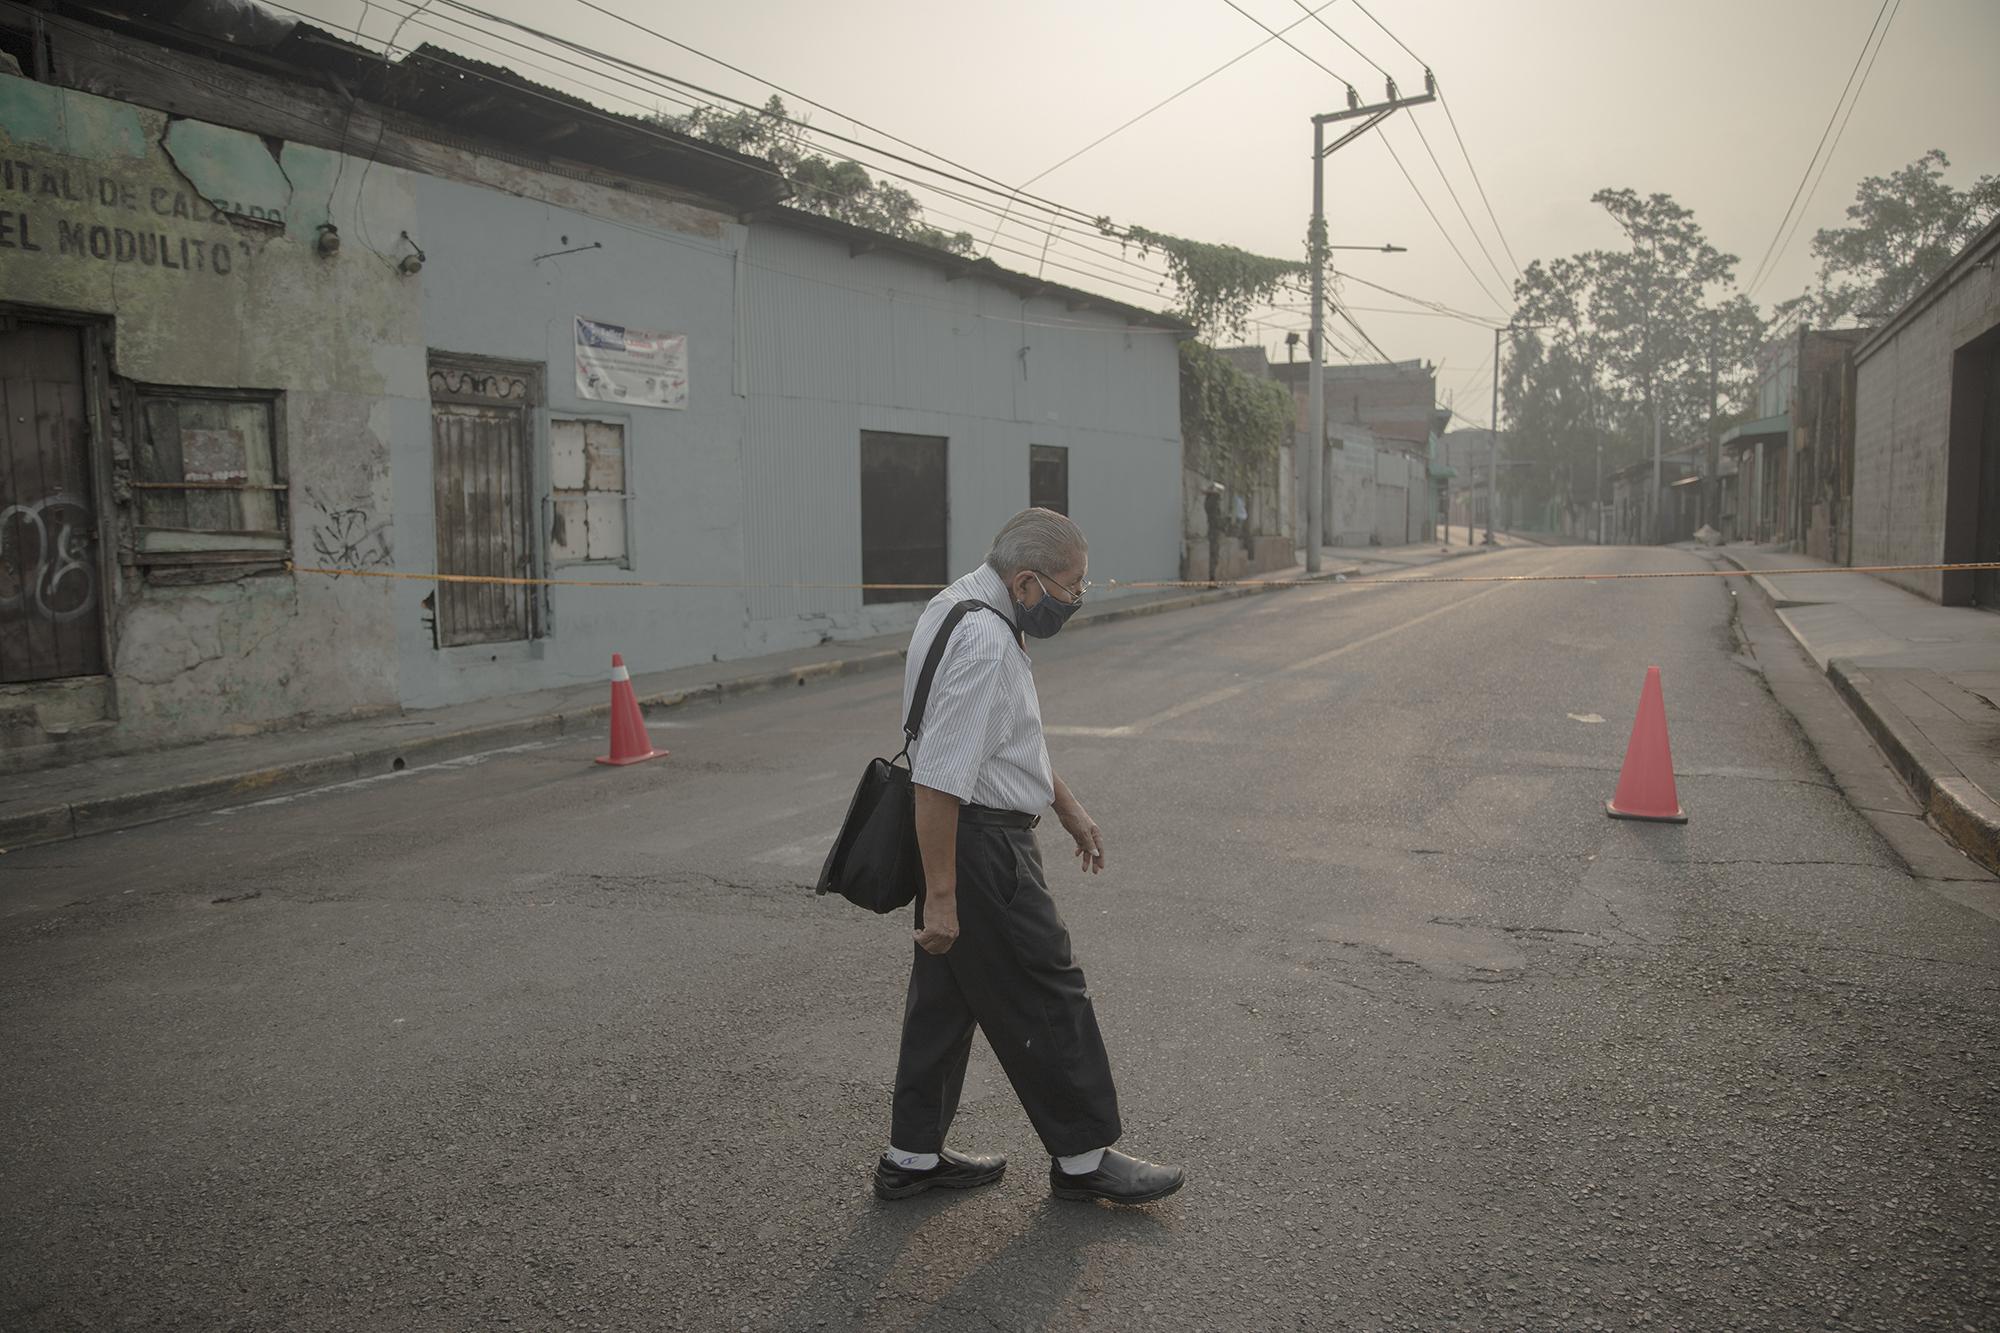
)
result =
(982, 734)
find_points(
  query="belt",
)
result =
(996, 818)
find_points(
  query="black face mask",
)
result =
(1044, 618)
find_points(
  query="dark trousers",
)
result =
(1010, 972)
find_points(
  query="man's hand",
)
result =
(940, 926)
(1089, 839)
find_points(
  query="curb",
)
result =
(62, 822)
(1960, 810)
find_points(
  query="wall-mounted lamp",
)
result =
(412, 262)
(328, 243)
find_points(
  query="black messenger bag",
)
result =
(874, 862)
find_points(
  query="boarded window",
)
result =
(209, 477)
(903, 518)
(1048, 477)
(587, 482)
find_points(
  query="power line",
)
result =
(1477, 183)
(609, 13)
(1173, 97)
(1280, 37)
(1070, 232)
(1064, 214)
(1423, 139)
(1314, 14)
(662, 234)
(1392, 154)
(1829, 159)
(1046, 205)
(1355, 324)
(1451, 120)
(1806, 175)
(1435, 221)
(1390, 35)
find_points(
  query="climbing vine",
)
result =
(1233, 423)
(1219, 285)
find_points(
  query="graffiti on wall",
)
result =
(347, 536)
(45, 565)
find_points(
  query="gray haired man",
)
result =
(991, 949)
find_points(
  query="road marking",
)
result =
(1317, 659)
(355, 784)
(1182, 709)
(1585, 717)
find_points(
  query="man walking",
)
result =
(991, 949)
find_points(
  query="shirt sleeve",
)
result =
(965, 722)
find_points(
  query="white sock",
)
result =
(911, 1161)
(1082, 1164)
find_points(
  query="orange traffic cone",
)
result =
(629, 742)
(1646, 783)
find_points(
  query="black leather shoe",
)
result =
(1119, 1179)
(954, 1171)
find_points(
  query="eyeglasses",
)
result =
(1074, 596)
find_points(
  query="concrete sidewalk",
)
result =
(101, 794)
(1923, 678)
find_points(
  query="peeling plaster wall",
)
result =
(149, 222)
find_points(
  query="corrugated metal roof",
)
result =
(452, 91)
(863, 239)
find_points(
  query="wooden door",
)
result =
(480, 433)
(51, 607)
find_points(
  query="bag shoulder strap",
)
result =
(921, 699)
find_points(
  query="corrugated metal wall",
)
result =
(836, 344)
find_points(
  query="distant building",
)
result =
(1383, 483)
(1927, 433)
(1794, 458)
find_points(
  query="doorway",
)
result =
(1972, 475)
(904, 516)
(51, 604)
(482, 414)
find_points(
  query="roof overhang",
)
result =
(1761, 431)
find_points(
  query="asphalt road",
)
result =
(524, 1042)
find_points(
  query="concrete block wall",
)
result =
(1903, 396)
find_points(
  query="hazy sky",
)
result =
(1717, 102)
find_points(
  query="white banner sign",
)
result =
(639, 366)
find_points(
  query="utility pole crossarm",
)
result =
(1378, 108)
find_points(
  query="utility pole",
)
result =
(1659, 510)
(1298, 500)
(1711, 507)
(1597, 500)
(1493, 439)
(1316, 248)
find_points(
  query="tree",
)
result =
(1905, 228)
(1623, 334)
(840, 189)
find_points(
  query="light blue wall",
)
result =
(836, 344)
(486, 294)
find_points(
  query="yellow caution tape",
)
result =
(1133, 584)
